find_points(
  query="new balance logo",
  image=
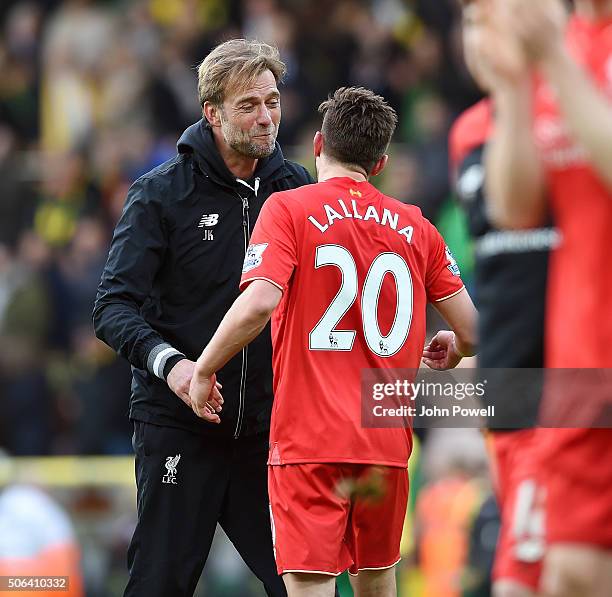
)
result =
(209, 220)
(355, 193)
(170, 476)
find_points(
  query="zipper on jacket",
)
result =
(243, 371)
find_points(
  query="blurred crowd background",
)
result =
(95, 93)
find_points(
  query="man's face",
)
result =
(250, 117)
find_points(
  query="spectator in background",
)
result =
(18, 202)
(25, 319)
(446, 507)
(38, 539)
(92, 372)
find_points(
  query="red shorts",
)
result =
(318, 529)
(519, 492)
(577, 467)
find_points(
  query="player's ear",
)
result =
(317, 144)
(212, 113)
(380, 165)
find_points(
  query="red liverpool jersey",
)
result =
(357, 269)
(579, 321)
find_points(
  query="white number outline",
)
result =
(329, 330)
(311, 345)
(374, 348)
(528, 521)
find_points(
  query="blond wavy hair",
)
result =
(234, 65)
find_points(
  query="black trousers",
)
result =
(181, 500)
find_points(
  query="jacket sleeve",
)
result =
(136, 254)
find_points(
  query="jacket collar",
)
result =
(198, 140)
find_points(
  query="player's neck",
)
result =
(328, 169)
(594, 9)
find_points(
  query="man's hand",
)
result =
(494, 55)
(206, 400)
(441, 353)
(538, 26)
(179, 378)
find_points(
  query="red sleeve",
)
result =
(272, 253)
(443, 278)
(471, 129)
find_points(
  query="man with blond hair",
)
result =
(172, 272)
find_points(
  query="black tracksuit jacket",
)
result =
(172, 273)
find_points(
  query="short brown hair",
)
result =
(233, 65)
(357, 126)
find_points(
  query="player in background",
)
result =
(510, 287)
(346, 273)
(553, 145)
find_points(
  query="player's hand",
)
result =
(500, 59)
(538, 26)
(441, 352)
(206, 399)
(179, 378)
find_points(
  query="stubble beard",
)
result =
(243, 143)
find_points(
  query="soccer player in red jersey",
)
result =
(501, 258)
(553, 138)
(346, 273)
